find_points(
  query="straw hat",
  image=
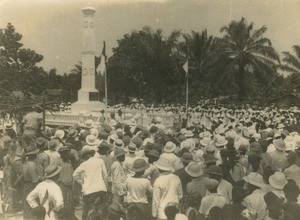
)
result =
(119, 143)
(280, 145)
(52, 170)
(255, 179)
(164, 164)
(94, 131)
(90, 140)
(132, 147)
(89, 123)
(194, 169)
(189, 134)
(221, 141)
(169, 147)
(289, 143)
(278, 180)
(59, 134)
(139, 165)
(205, 141)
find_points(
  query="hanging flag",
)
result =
(101, 69)
(186, 67)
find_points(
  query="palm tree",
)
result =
(243, 50)
(291, 64)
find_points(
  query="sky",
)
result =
(53, 28)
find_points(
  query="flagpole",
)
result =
(187, 98)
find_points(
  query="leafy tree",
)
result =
(143, 65)
(18, 70)
(291, 64)
(243, 50)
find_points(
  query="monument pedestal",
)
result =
(87, 101)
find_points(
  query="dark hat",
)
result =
(32, 152)
(73, 133)
(103, 135)
(273, 202)
(139, 165)
(119, 151)
(132, 147)
(86, 151)
(153, 153)
(63, 148)
(41, 143)
(215, 170)
(186, 157)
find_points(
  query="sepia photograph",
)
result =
(149, 109)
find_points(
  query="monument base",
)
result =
(87, 107)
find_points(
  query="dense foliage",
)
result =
(147, 65)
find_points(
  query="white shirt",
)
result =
(210, 201)
(225, 190)
(54, 195)
(91, 174)
(256, 201)
(167, 188)
(54, 157)
(137, 189)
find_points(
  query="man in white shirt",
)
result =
(48, 192)
(91, 175)
(213, 199)
(167, 188)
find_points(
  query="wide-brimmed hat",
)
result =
(164, 164)
(255, 179)
(205, 134)
(89, 123)
(189, 134)
(289, 143)
(90, 140)
(278, 180)
(32, 152)
(59, 134)
(139, 165)
(215, 170)
(8, 125)
(280, 145)
(41, 143)
(63, 148)
(118, 143)
(73, 133)
(186, 157)
(221, 141)
(169, 147)
(205, 141)
(119, 151)
(132, 147)
(194, 169)
(188, 144)
(95, 132)
(132, 122)
(85, 151)
(52, 170)
(153, 153)
(112, 123)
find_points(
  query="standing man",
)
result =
(118, 176)
(31, 126)
(91, 175)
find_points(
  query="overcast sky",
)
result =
(53, 28)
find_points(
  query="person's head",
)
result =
(103, 148)
(32, 154)
(274, 205)
(87, 154)
(120, 154)
(53, 144)
(253, 181)
(171, 210)
(212, 185)
(52, 172)
(139, 166)
(291, 191)
(254, 160)
(215, 213)
(215, 172)
(64, 152)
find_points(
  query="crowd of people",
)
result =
(218, 163)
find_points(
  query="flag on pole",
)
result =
(101, 69)
(186, 67)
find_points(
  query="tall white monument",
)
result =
(88, 95)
